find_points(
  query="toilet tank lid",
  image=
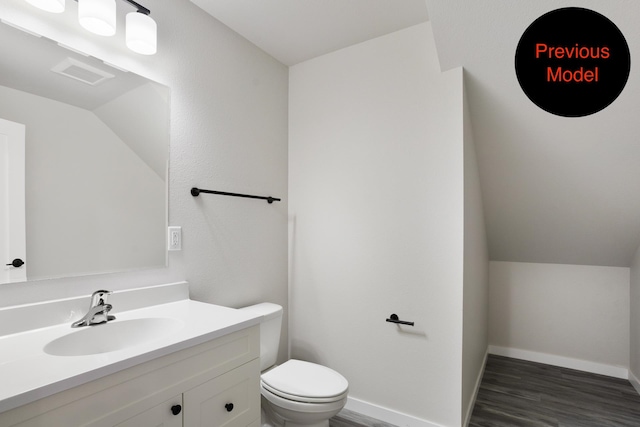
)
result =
(266, 309)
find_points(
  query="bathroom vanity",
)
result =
(174, 363)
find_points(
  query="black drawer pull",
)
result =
(229, 407)
(176, 409)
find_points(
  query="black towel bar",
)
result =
(195, 192)
(394, 319)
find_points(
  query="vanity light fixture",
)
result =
(141, 33)
(55, 6)
(99, 17)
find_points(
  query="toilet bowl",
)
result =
(303, 393)
(295, 393)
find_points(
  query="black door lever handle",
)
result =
(16, 263)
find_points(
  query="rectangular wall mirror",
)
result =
(83, 163)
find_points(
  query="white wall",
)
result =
(572, 311)
(140, 117)
(228, 132)
(376, 212)
(476, 276)
(104, 233)
(634, 355)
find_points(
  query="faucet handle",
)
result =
(108, 317)
(99, 297)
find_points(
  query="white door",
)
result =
(13, 243)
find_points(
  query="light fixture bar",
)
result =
(138, 6)
(141, 9)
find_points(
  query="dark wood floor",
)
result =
(516, 393)
(348, 418)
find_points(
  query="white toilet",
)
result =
(296, 393)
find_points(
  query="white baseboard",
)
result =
(385, 414)
(472, 403)
(634, 381)
(564, 362)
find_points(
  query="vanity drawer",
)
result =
(161, 415)
(232, 399)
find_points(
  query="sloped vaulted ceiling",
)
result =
(293, 31)
(555, 189)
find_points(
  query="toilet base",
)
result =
(264, 423)
(324, 423)
(269, 418)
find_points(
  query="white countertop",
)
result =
(28, 373)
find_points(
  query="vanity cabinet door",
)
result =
(230, 400)
(167, 414)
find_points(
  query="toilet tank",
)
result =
(270, 327)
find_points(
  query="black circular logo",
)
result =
(572, 62)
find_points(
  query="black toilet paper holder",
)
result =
(395, 319)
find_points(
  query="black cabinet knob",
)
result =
(175, 409)
(16, 263)
(229, 407)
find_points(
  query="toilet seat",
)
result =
(307, 382)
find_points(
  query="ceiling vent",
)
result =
(80, 71)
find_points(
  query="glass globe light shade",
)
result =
(141, 33)
(55, 6)
(98, 16)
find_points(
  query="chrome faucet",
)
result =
(98, 312)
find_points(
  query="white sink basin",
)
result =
(113, 336)
(40, 354)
